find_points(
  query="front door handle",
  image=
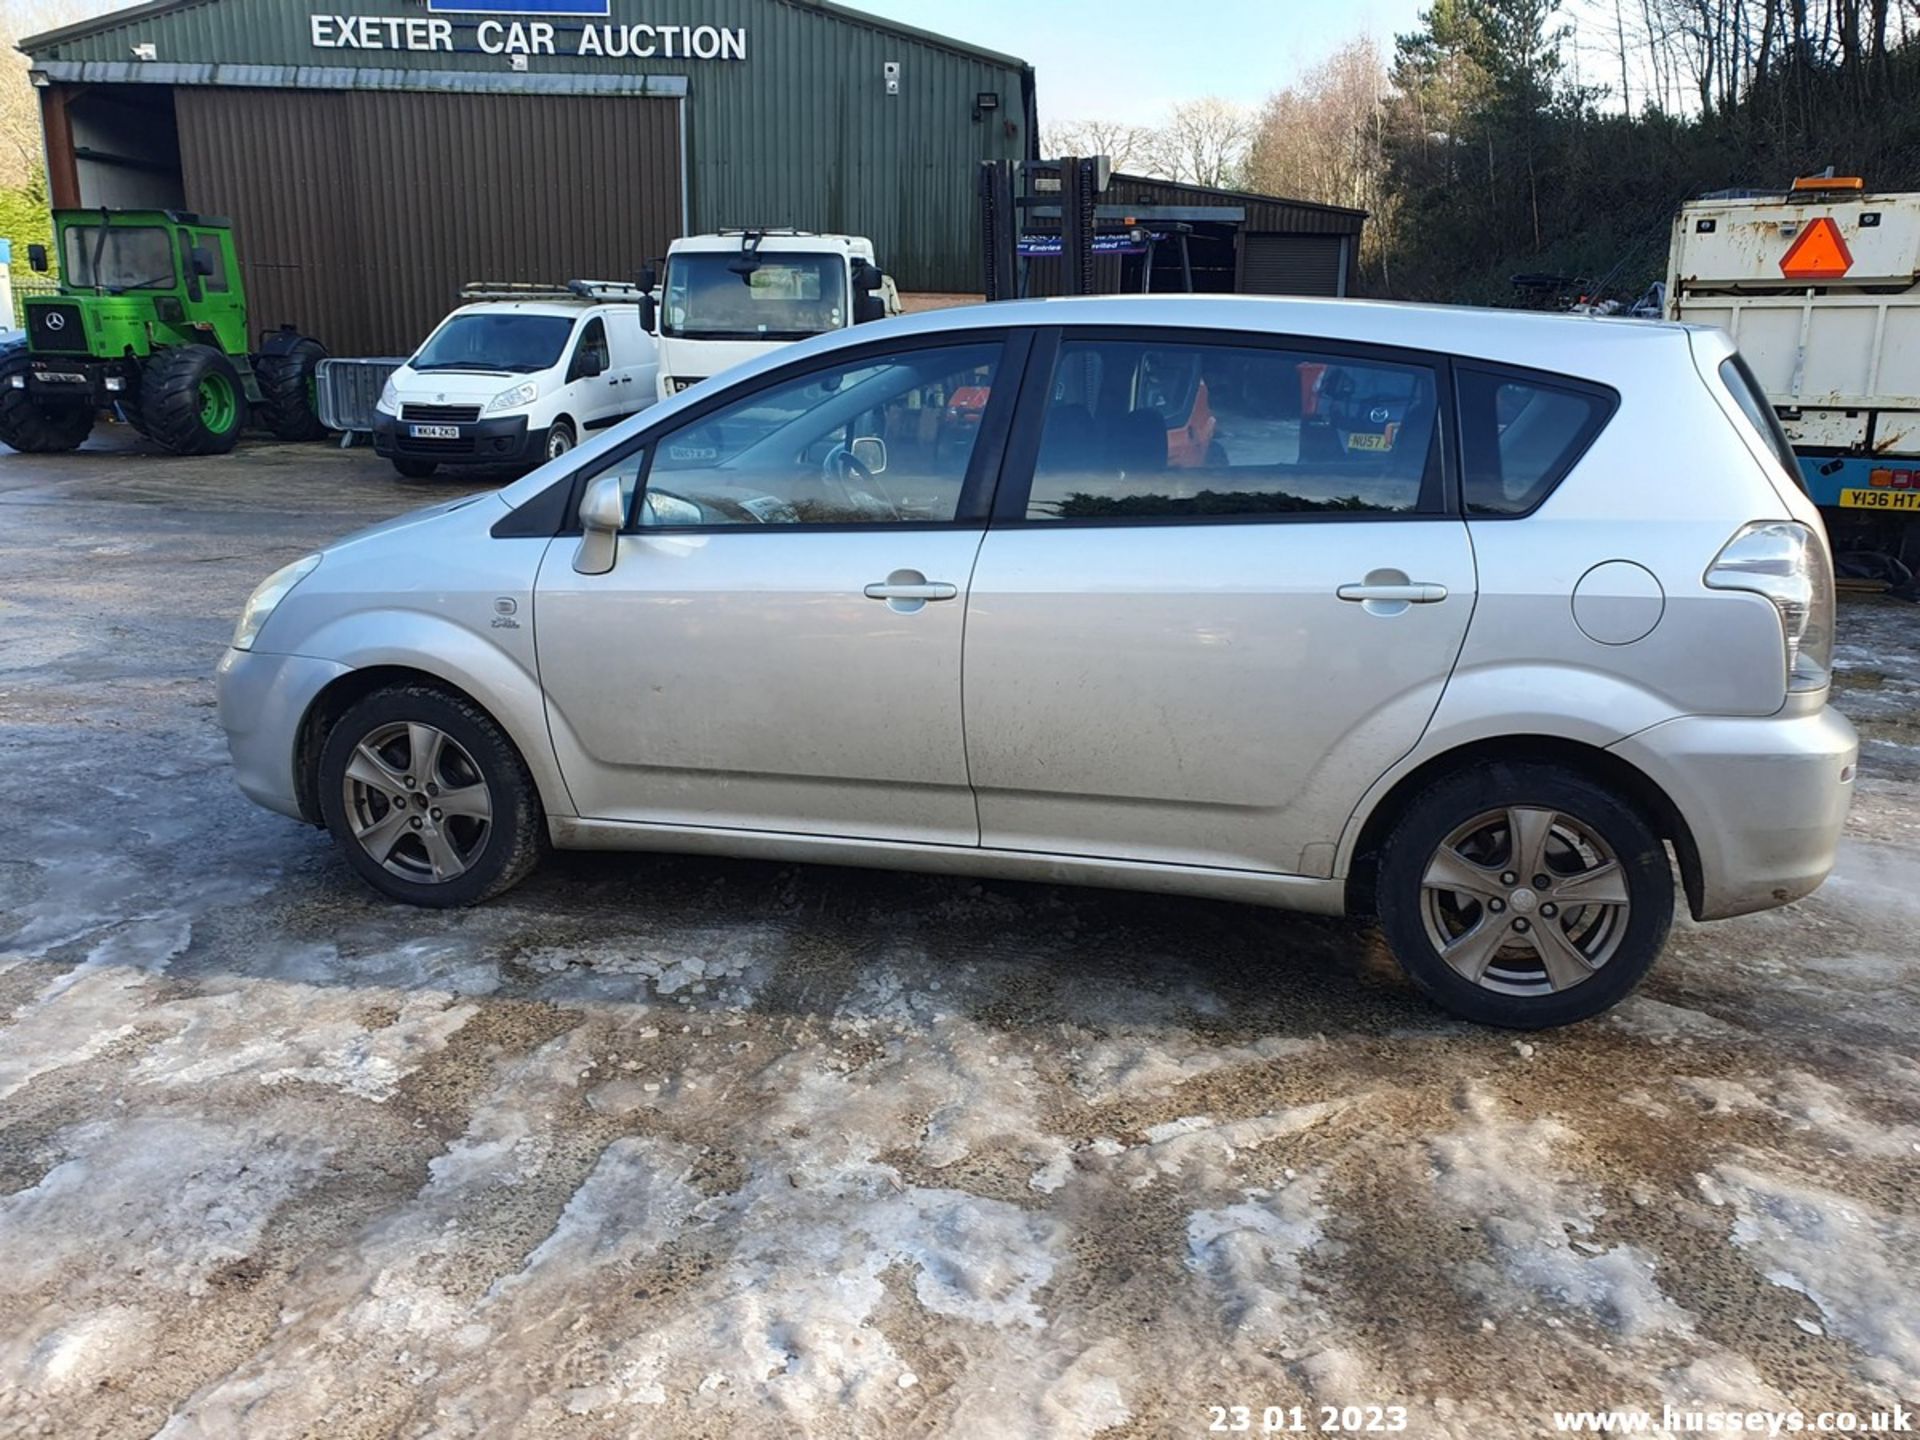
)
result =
(1410, 592)
(906, 591)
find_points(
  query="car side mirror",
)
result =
(867, 277)
(649, 277)
(871, 452)
(649, 315)
(868, 307)
(202, 261)
(37, 259)
(603, 510)
(590, 364)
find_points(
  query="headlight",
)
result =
(511, 399)
(266, 596)
(389, 400)
(1786, 562)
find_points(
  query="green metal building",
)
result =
(376, 154)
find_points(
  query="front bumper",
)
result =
(82, 381)
(1764, 799)
(504, 441)
(262, 700)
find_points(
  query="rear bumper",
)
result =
(505, 441)
(262, 700)
(1764, 799)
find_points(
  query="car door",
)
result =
(1223, 590)
(636, 359)
(593, 381)
(778, 644)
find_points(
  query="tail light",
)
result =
(1787, 562)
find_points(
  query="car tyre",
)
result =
(289, 391)
(416, 469)
(1457, 895)
(559, 439)
(191, 401)
(428, 799)
(31, 428)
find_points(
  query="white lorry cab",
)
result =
(737, 294)
(520, 374)
(1819, 286)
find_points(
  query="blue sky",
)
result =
(1131, 59)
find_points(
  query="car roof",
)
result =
(556, 307)
(1450, 329)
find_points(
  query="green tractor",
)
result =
(151, 318)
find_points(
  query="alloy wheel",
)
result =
(1525, 901)
(416, 802)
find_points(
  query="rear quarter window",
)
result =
(1521, 433)
(1752, 400)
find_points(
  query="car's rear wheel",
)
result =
(1523, 894)
(428, 798)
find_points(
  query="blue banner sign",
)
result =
(597, 8)
(1047, 247)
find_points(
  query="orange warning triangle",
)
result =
(1818, 252)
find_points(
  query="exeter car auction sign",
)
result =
(529, 37)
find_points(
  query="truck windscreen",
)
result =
(118, 257)
(726, 295)
(514, 343)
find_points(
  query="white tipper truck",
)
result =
(735, 294)
(1819, 286)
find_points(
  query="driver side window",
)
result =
(884, 439)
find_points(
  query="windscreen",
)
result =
(115, 257)
(729, 295)
(517, 344)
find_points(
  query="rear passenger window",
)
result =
(1146, 430)
(1519, 437)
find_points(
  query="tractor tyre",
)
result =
(30, 427)
(289, 391)
(191, 401)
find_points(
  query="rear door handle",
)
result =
(1412, 592)
(925, 590)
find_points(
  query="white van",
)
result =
(738, 294)
(519, 376)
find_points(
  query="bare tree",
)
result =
(21, 152)
(1128, 146)
(1203, 142)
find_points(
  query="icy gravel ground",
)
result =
(689, 1148)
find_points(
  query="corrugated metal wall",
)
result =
(802, 132)
(359, 214)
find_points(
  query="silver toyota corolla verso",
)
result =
(1457, 618)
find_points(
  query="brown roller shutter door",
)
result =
(1292, 264)
(359, 214)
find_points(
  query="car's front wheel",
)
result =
(428, 798)
(1523, 894)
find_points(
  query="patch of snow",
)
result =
(1506, 1177)
(1860, 1265)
